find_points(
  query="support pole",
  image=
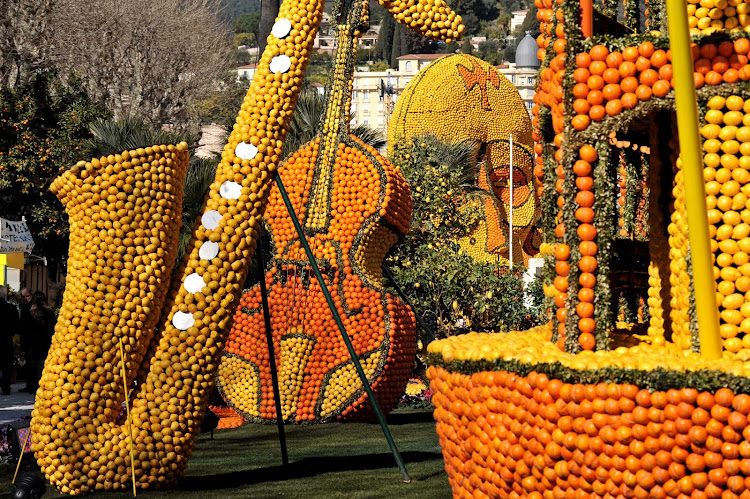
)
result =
(405, 298)
(587, 18)
(271, 353)
(23, 448)
(342, 330)
(510, 202)
(692, 170)
(127, 411)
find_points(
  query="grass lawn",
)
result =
(334, 460)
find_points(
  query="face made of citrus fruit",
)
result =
(477, 103)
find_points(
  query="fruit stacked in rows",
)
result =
(610, 82)
(533, 346)
(709, 16)
(726, 148)
(509, 427)
(531, 436)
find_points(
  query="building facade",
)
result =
(517, 19)
(375, 92)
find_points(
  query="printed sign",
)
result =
(15, 237)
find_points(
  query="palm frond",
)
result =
(369, 136)
(129, 133)
(306, 122)
(200, 175)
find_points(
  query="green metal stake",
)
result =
(342, 329)
(403, 296)
(271, 354)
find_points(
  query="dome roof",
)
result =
(526, 53)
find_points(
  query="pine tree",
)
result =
(396, 47)
(384, 44)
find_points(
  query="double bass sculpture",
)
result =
(124, 212)
(352, 204)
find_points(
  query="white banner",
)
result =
(15, 237)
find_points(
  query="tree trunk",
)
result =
(269, 9)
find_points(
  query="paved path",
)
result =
(15, 406)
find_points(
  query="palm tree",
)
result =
(306, 122)
(111, 136)
(200, 174)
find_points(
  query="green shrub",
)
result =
(452, 292)
(43, 126)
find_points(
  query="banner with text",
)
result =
(15, 237)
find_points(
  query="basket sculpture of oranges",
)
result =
(577, 408)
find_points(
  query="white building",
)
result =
(247, 71)
(524, 79)
(523, 73)
(327, 43)
(517, 19)
(374, 93)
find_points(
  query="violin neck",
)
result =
(334, 126)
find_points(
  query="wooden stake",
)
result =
(18, 466)
(127, 411)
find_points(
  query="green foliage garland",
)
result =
(571, 15)
(604, 215)
(645, 196)
(657, 16)
(659, 379)
(632, 19)
(632, 179)
(549, 200)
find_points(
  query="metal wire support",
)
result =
(342, 330)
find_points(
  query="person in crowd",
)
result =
(9, 321)
(24, 307)
(39, 330)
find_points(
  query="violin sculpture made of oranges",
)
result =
(353, 205)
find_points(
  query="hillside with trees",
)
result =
(481, 18)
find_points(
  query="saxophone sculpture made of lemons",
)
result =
(125, 214)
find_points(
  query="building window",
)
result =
(513, 79)
(380, 120)
(366, 96)
(409, 65)
(366, 121)
(531, 80)
(529, 104)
